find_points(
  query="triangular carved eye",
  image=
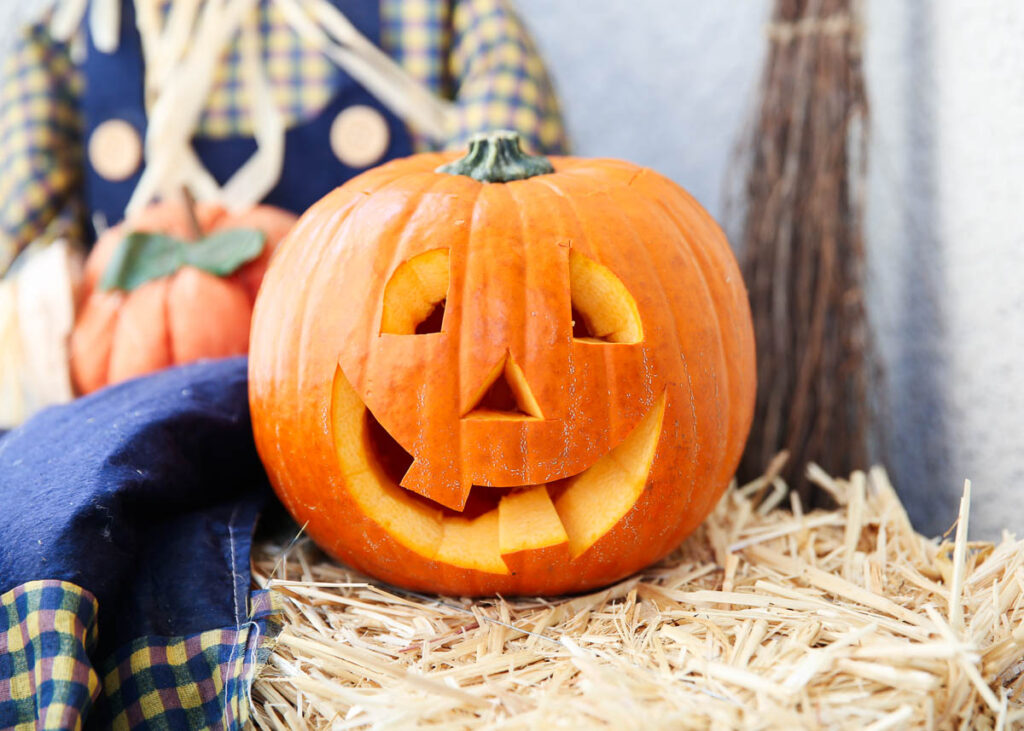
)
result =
(603, 310)
(416, 294)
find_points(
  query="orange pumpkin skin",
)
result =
(318, 356)
(177, 319)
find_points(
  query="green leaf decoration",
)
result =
(222, 252)
(142, 257)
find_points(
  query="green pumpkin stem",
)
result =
(190, 209)
(497, 157)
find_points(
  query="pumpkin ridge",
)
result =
(417, 201)
(702, 261)
(714, 258)
(704, 258)
(397, 246)
(413, 200)
(168, 335)
(521, 336)
(628, 228)
(644, 245)
(135, 348)
(108, 354)
(567, 206)
(523, 204)
(317, 270)
(284, 357)
(463, 299)
(710, 305)
(707, 296)
(471, 231)
(611, 415)
(308, 261)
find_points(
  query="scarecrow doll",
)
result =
(127, 514)
(109, 105)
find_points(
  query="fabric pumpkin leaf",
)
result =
(222, 252)
(142, 256)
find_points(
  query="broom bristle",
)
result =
(803, 247)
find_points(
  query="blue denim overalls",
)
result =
(114, 90)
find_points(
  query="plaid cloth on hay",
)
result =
(474, 52)
(48, 630)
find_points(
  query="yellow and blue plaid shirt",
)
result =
(473, 52)
(47, 680)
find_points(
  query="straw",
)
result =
(843, 619)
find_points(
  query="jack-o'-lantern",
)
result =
(154, 299)
(502, 373)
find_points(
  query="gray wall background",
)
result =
(670, 84)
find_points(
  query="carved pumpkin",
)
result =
(499, 377)
(143, 311)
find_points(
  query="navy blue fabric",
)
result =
(144, 493)
(114, 89)
(311, 170)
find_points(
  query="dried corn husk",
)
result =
(183, 48)
(37, 312)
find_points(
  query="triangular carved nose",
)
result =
(504, 394)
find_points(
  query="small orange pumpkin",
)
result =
(123, 332)
(503, 374)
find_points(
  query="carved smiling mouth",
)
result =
(498, 524)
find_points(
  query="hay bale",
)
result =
(763, 618)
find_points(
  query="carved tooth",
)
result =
(527, 520)
(451, 492)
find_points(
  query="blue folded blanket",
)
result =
(143, 495)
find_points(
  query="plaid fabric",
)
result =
(40, 140)
(475, 52)
(47, 629)
(47, 681)
(302, 80)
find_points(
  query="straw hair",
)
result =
(183, 48)
(762, 619)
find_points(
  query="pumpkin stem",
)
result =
(190, 209)
(497, 157)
